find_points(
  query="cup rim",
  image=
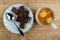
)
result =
(38, 20)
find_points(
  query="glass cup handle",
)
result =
(53, 25)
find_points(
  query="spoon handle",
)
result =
(22, 34)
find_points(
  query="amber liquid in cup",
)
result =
(45, 16)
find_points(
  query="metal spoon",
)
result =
(10, 15)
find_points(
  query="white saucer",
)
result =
(10, 25)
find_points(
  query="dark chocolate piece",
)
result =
(22, 15)
(14, 10)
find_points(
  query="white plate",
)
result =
(10, 25)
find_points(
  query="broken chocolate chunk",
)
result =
(22, 16)
(22, 25)
(14, 10)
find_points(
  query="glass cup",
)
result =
(52, 23)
